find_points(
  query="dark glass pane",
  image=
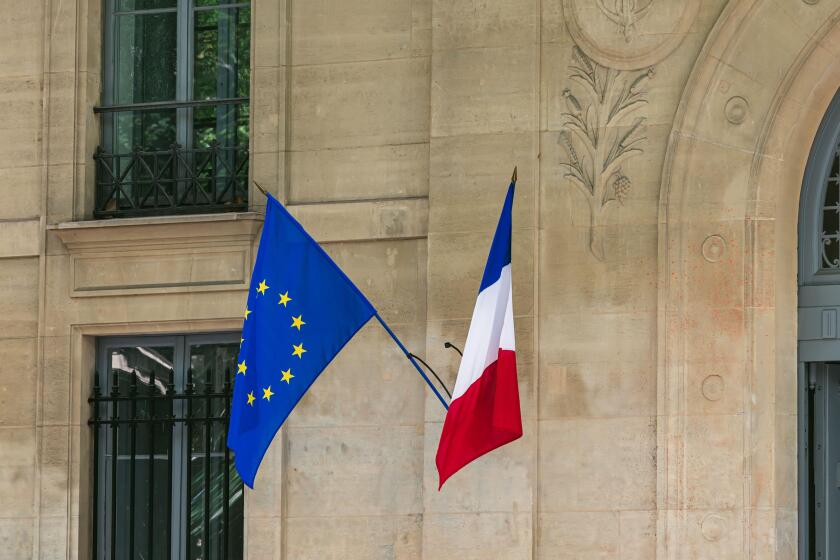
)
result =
(831, 192)
(145, 57)
(830, 222)
(127, 5)
(148, 130)
(225, 124)
(211, 465)
(221, 67)
(143, 499)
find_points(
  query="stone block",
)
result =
(499, 481)
(54, 489)
(61, 386)
(264, 539)
(360, 104)
(456, 264)
(598, 389)
(576, 535)
(354, 471)
(477, 536)
(16, 537)
(331, 31)
(18, 484)
(18, 447)
(483, 91)
(714, 462)
(364, 173)
(269, 28)
(392, 537)
(370, 382)
(597, 464)
(473, 23)
(625, 281)
(20, 189)
(576, 337)
(391, 274)
(470, 176)
(17, 381)
(344, 222)
(20, 238)
(53, 538)
(22, 29)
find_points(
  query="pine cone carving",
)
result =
(621, 187)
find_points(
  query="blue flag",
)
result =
(302, 310)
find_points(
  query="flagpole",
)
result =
(413, 362)
(397, 340)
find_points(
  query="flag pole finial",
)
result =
(265, 194)
(513, 177)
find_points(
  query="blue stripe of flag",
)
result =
(500, 249)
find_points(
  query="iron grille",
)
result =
(173, 181)
(202, 410)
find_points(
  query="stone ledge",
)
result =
(158, 231)
(212, 252)
(161, 254)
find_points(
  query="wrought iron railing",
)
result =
(172, 181)
(196, 420)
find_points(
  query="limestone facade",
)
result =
(661, 146)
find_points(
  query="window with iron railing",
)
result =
(164, 482)
(175, 108)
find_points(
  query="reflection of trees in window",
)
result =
(177, 73)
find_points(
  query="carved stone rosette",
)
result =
(602, 129)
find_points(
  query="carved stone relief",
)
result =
(625, 14)
(601, 130)
(613, 35)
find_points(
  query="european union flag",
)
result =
(302, 310)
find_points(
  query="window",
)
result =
(165, 485)
(175, 108)
(830, 231)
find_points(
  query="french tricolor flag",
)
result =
(484, 411)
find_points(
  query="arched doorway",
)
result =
(729, 421)
(819, 344)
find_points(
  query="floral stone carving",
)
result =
(625, 14)
(601, 130)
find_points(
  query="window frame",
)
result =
(181, 344)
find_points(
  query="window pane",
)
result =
(143, 448)
(211, 463)
(127, 5)
(222, 53)
(225, 124)
(149, 130)
(145, 57)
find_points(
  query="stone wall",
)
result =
(660, 153)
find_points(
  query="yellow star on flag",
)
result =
(251, 398)
(247, 312)
(297, 322)
(267, 393)
(241, 340)
(298, 350)
(287, 375)
(284, 299)
(262, 287)
(242, 368)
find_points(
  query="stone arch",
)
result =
(728, 213)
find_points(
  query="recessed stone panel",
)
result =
(96, 276)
